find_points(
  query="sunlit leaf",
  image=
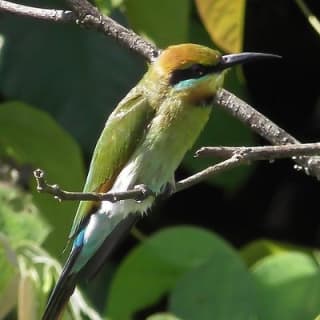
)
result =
(288, 287)
(224, 20)
(153, 267)
(219, 289)
(259, 249)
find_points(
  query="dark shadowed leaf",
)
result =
(163, 22)
(77, 75)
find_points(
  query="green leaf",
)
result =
(164, 23)
(9, 277)
(259, 249)
(19, 217)
(224, 20)
(77, 75)
(105, 6)
(219, 289)
(288, 287)
(31, 136)
(154, 266)
(256, 250)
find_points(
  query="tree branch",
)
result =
(52, 15)
(265, 128)
(236, 156)
(241, 155)
(262, 152)
(90, 17)
(84, 13)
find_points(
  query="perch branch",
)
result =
(236, 156)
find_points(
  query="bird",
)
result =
(142, 143)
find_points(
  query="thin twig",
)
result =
(139, 193)
(208, 172)
(53, 15)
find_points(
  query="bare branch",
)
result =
(265, 128)
(241, 155)
(90, 17)
(237, 156)
(37, 13)
(263, 152)
(139, 193)
(232, 162)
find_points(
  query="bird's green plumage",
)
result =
(153, 120)
(121, 134)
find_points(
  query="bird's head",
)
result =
(195, 71)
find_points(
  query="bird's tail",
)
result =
(62, 291)
(70, 273)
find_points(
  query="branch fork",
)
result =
(235, 157)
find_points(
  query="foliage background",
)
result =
(58, 83)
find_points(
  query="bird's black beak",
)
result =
(230, 60)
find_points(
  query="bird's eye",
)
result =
(193, 72)
(198, 70)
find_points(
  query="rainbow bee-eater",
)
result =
(143, 142)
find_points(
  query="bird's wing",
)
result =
(119, 138)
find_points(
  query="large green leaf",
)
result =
(288, 287)
(153, 267)
(77, 75)
(219, 289)
(30, 136)
(163, 22)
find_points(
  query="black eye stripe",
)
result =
(195, 71)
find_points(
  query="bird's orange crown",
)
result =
(184, 55)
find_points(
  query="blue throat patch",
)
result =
(189, 83)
